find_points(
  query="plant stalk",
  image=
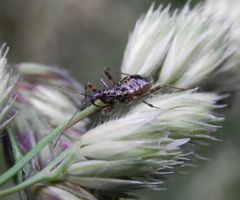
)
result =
(48, 174)
(48, 139)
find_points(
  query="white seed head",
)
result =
(51, 96)
(188, 48)
(142, 144)
(178, 110)
(199, 47)
(45, 106)
(7, 84)
(149, 41)
(52, 103)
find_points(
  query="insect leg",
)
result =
(158, 87)
(109, 76)
(149, 104)
(109, 69)
(93, 103)
(154, 89)
(105, 111)
(104, 83)
(91, 87)
(74, 114)
(173, 87)
(58, 138)
(85, 95)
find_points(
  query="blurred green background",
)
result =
(84, 36)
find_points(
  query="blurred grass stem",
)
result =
(48, 139)
(17, 154)
(48, 174)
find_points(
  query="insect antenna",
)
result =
(52, 85)
(66, 90)
(116, 71)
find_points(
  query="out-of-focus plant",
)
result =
(7, 84)
(137, 150)
(46, 97)
(54, 97)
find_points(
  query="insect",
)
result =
(131, 87)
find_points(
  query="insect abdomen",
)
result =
(136, 85)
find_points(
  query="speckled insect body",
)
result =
(124, 91)
(132, 87)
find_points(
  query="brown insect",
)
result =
(132, 87)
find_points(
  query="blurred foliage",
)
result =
(86, 36)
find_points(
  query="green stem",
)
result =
(48, 174)
(48, 139)
(14, 144)
(17, 154)
(22, 186)
(67, 153)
